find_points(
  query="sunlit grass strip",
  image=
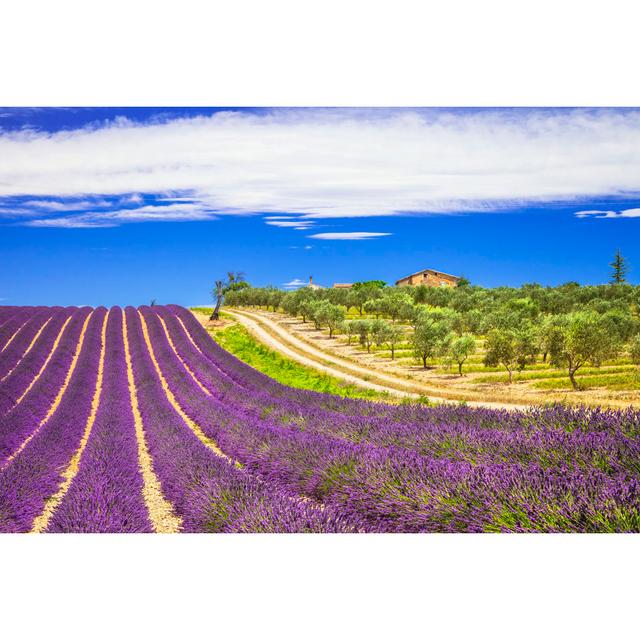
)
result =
(57, 400)
(27, 350)
(551, 374)
(161, 513)
(46, 362)
(184, 364)
(172, 399)
(241, 343)
(42, 521)
(628, 381)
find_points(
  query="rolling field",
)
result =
(134, 420)
(614, 384)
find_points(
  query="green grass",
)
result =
(239, 341)
(207, 310)
(551, 374)
(629, 381)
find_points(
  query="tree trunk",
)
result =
(330, 332)
(424, 362)
(216, 312)
(544, 357)
(393, 354)
(572, 373)
(460, 368)
(510, 375)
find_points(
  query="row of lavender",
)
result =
(33, 453)
(411, 469)
(481, 435)
(106, 493)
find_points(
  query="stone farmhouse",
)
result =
(430, 278)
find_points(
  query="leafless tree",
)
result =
(221, 287)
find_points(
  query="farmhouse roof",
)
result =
(417, 273)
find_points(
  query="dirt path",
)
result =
(274, 336)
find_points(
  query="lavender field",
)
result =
(134, 420)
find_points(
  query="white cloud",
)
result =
(58, 205)
(331, 164)
(294, 284)
(349, 235)
(295, 224)
(149, 213)
(626, 213)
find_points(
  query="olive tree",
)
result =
(396, 304)
(513, 349)
(350, 329)
(305, 309)
(387, 334)
(634, 350)
(330, 315)
(374, 307)
(359, 295)
(460, 349)
(584, 337)
(429, 338)
(391, 337)
(549, 334)
(315, 313)
(362, 329)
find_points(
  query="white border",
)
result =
(333, 53)
(330, 53)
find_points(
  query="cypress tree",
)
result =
(619, 265)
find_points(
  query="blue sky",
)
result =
(121, 206)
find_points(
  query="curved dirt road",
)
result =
(277, 338)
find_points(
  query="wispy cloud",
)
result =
(66, 205)
(348, 235)
(328, 164)
(294, 224)
(294, 284)
(149, 213)
(595, 213)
